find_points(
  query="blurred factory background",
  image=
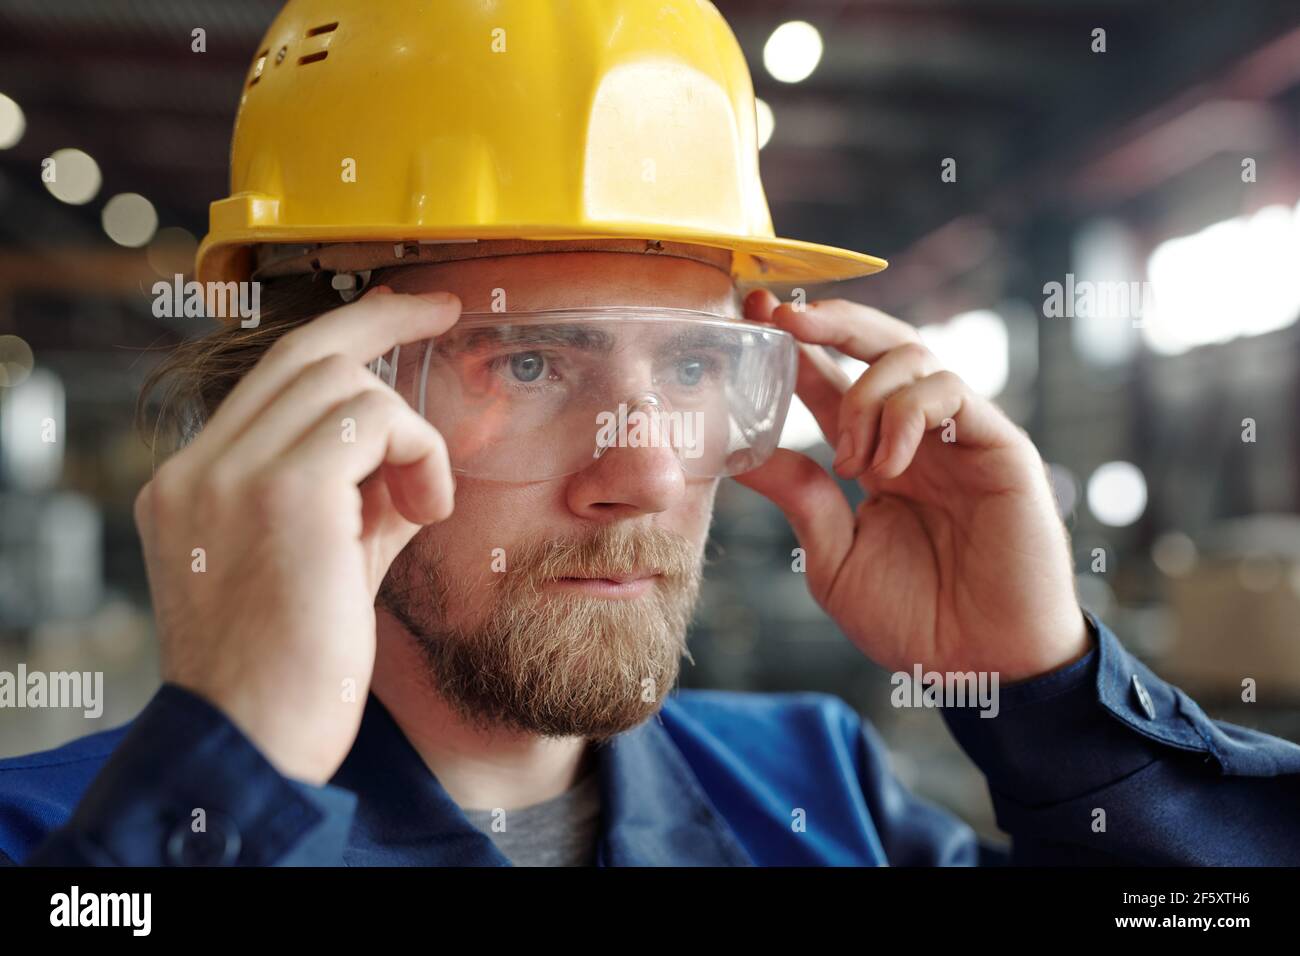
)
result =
(1091, 207)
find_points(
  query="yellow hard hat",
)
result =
(419, 121)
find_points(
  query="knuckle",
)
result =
(861, 395)
(375, 403)
(167, 475)
(334, 365)
(806, 470)
(339, 373)
(215, 488)
(146, 500)
(949, 380)
(902, 404)
(915, 352)
(159, 496)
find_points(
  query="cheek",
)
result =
(492, 515)
(692, 517)
(476, 540)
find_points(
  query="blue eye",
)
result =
(527, 366)
(690, 372)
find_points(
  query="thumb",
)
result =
(812, 502)
(384, 530)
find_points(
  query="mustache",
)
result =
(606, 552)
(531, 563)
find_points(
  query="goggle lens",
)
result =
(529, 396)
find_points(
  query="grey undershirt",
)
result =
(561, 831)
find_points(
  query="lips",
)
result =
(630, 577)
(615, 586)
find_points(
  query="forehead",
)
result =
(567, 280)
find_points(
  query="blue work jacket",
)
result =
(716, 778)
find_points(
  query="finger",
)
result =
(812, 502)
(384, 530)
(758, 306)
(856, 330)
(317, 388)
(941, 400)
(362, 330)
(821, 383)
(377, 428)
(863, 402)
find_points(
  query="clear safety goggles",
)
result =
(525, 396)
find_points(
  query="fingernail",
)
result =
(438, 298)
(882, 453)
(845, 447)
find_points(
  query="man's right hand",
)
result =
(278, 628)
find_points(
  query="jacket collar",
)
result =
(653, 811)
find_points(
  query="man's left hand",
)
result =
(957, 560)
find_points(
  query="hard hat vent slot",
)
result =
(321, 45)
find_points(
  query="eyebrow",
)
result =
(703, 337)
(578, 336)
(569, 336)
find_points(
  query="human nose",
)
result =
(626, 482)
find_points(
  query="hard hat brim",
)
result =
(760, 260)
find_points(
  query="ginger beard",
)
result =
(542, 659)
